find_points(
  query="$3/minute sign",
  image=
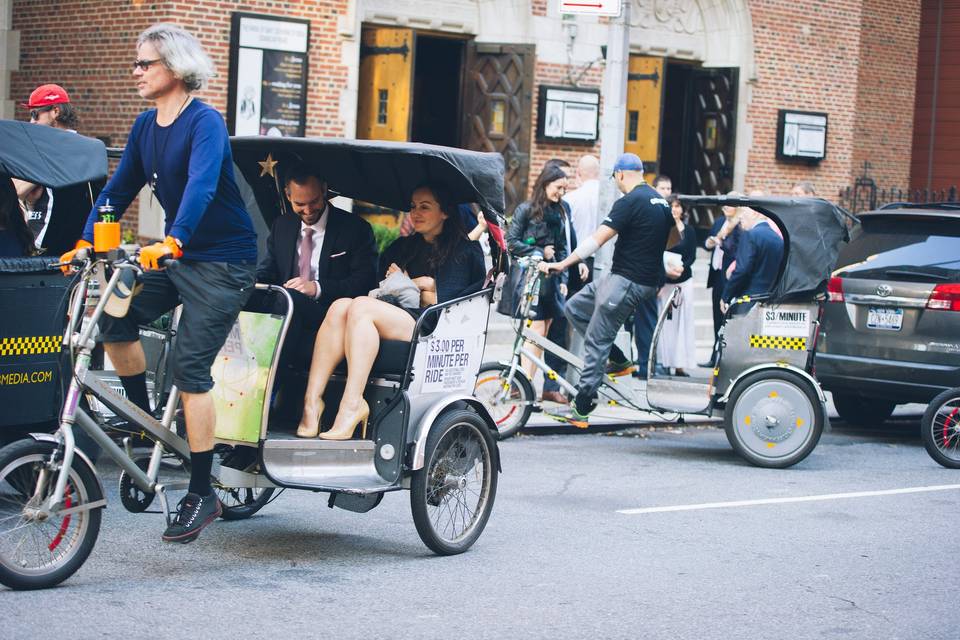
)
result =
(591, 7)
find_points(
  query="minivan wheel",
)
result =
(862, 412)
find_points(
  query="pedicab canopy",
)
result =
(814, 231)
(49, 156)
(374, 171)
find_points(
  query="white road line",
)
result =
(820, 498)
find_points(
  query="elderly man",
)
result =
(759, 254)
(804, 190)
(320, 254)
(642, 221)
(55, 216)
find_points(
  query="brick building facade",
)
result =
(854, 60)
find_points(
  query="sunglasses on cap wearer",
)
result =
(143, 65)
(35, 113)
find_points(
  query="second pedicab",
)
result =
(764, 382)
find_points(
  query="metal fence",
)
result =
(866, 195)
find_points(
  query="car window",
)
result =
(903, 249)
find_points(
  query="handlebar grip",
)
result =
(164, 260)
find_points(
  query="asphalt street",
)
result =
(559, 558)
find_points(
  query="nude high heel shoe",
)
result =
(349, 424)
(311, 431)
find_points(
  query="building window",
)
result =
(382, 107)
(632, 127)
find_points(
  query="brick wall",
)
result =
(540, 152)
(87, 46)
(806, 59)
(886, 88)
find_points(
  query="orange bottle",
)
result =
(106, 232)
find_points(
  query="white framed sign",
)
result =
(591, 7)
(793, 322)
(267, 93)
(568, 114)
(801, 135)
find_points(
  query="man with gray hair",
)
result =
(804, 190)
(585, 201)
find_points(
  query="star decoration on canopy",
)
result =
(267, 166)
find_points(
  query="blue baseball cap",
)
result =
(628, 162)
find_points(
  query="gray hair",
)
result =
(181, 53)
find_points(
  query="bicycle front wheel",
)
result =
(509, 400)
(36, 552)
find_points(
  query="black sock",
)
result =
(617, 356)
(136, 388)
(201, 462)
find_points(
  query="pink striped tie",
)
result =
(306, 254)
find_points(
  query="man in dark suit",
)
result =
(759, 255)
(320, 254)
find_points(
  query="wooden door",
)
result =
(386, 80)
(498, 89)
(644, 111)
(714, 121)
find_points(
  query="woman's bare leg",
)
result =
(368, 321)
(540, 327)
(328, 351)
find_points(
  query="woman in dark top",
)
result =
(443, 264)
(676, 348)
(15, 238)
(539, 227)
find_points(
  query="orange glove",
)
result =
(66, 258)
(150, 255)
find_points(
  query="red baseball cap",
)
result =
(46, 95)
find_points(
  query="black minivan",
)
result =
(891, 330)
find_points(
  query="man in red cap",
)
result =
(55, 216)
(50, 105)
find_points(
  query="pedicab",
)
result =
(764, 381)
(427, 433)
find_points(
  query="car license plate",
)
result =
(884, 318)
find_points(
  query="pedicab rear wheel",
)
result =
(34, 553)
(940, 429)
(510, 403)
(774, 418)
(239, 503)
(452, 496)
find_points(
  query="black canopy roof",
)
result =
(814, 231)
(379, 172)
(49, 156)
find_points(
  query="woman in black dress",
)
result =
(443, 264)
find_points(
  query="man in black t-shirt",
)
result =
(642, 221)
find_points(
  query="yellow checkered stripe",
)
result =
(778, 342)
(30, 345)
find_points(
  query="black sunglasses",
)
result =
(35, 113)
(145, 64)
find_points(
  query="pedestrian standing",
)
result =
(584, 203)
(676, 347)
(181, 149)
(642, 221)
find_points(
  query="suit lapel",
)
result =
(291, 239)
(334, 220)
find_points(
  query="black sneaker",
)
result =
(617, 369)
(194, 513)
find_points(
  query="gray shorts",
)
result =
(212, 294)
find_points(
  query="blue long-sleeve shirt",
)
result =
(195, 184)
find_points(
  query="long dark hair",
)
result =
(453, 232)
(538, 199)
(685, 216)
(11, 218)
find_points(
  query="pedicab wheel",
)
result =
(34, 553)
(452, 495)
(510, 403)
(940, 428)
(133, 498)
(774, 418)
(239, 503)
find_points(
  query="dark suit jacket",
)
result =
(758, 262)
(717, 277)
(348, 258)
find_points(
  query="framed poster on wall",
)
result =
(568, 114)
(802, 136)
(267, 91)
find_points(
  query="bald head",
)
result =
(588, 168)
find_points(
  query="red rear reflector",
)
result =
(945, 297)
(835, 289)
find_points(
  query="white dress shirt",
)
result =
(319, 230)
